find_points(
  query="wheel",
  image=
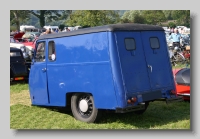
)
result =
(180, 59)
(83, 109)
(142, 111)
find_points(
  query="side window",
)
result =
(40, 52)
(154, 42)
(130, 44)
(52, 51)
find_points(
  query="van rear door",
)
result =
(133, 62)
(157, 59)
(144, 60)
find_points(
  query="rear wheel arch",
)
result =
(70, 94)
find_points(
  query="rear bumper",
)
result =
(175, 99)
(130, 108)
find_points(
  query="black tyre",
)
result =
(142, 111)
(83, 109)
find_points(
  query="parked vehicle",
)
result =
(16, 44)
(30, 36)
(18, 68)
(18, 36)
(176, 56)
(179, 54)
(53, 28)
(26, 27)
(40, 30)
(26, 49)
(182, 80)
(119, 67)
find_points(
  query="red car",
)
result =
(182, 80)
(27, 42)
(30, 43)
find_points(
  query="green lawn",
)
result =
(159, 115)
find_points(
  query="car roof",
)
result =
(106, 28)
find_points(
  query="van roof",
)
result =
(110, 28)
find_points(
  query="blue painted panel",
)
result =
(116, 71)
(92, 78)
(38, 84)
(83, 66)
(160, 71)
(133, 63)
(83, 48)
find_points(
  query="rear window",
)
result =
(130, 44)
(15, 54)
(154, 42)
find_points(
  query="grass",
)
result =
(181, 66)
(159, 115)
(18, 87)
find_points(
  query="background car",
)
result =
(16, 44)
(30, 36)
(18, 68)
(182, 80)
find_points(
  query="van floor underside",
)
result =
(130, 108)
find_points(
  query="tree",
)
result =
(125, 16)
(50, 15)
(133, 16)
(182, 17)
(153, 17)
(61, 26)
(93, 18)
(18, 16)
(138, 18)
(168, 14)
(171, 24)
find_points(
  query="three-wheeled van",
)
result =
(118, 67)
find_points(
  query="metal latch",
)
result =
(149, 66)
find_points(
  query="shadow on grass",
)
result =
(157, 114)
(18, 82)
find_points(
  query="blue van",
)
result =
(118, 67)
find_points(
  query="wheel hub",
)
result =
(83, 105)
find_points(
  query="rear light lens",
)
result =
(132, 100)
(19, 78)
(173, 92)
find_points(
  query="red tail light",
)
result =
(19, 78)
(173, 92)
(132, 100)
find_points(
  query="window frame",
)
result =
(126, 45)
(52, 50)
(151, 43)
(36, 59)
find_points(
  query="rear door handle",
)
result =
(44, 69)
(149, 66)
